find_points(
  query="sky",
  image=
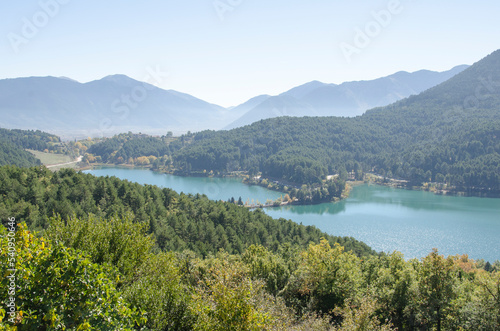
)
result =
(228, 51)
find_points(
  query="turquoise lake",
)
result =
(387, 219)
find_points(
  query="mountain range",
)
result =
(103, 107)
(446, 134)
(347, 99)
(118, 103)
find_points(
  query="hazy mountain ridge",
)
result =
(118, 103)
(347, 99)
(103, 107)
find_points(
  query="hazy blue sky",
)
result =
(242, 48)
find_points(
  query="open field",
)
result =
(55, 161)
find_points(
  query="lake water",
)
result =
(412, 222)
(387, 219)
(214, 188)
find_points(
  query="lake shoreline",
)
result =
(432, 188)
(369, 178)
(387, 219)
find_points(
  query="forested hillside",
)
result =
(31, 139)
(13, 154)
(123, 256)
(129, 148)
(14, 142)
(448, 134)
(178, 221)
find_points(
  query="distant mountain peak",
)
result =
(314, 83)
(302, 90)
(101, 107)
(67, 78)
(119, 79)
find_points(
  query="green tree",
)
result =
(360, 316)
(437, 278)
(58, 288)
(325, 278)
(226, 298)
(157, 290)
(116, 242)
(269, 267)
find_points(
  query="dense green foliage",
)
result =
(305, 150)
(315, 288)
(117, 242)
(30, 139)
(156, 152)
(178, 221)
(14, 142)
(121, 255)
(15, 155)
(123, 147)
(55, 287)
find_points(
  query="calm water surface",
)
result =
(412, 222)
(387, 219)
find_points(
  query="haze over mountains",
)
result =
(102, 107)
(118, 103)
(347, 99)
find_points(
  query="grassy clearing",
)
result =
(51, 159)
